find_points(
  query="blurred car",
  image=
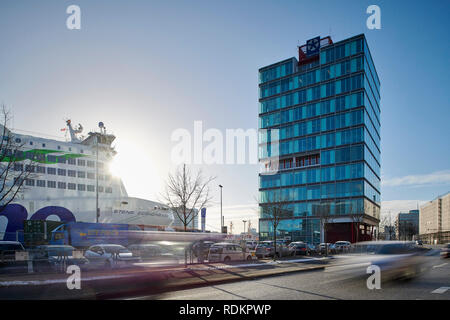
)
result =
(419, 242)
(202, 248)
(342, 246)
(109, 256)
(396, 259)
(227, 252)
(445, 251)
(298, 248)
(8, 263)
(323, 248)
(153, 253)
(48, 258)
(267, 249)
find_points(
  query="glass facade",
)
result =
(327, 114)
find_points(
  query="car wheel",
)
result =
(227, 259)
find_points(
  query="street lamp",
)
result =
(244, 221)
(221, 219)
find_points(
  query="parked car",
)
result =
(8, 263)
(298, 248)
(251, 244)
(227, 252)
(109, 256)
(323, 247)
(204, 248)
(445, 251)
(153, 253)
(312, 249)
(342, 246)
(267, 249)
(419, 242)
(55, 258)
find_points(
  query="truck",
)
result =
(86, 234)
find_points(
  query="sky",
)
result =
(148, 68)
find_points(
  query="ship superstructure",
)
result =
(70, 180)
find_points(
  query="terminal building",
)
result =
(319, 143)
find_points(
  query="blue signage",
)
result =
(313, 46)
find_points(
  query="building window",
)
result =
(71, 161)
(91, 175)
(51, 158)
(40, 183)
(51, 170)
(43, 145)
(29, 182)
(18, 167)
(61, 185)
(90, 164)
(61, 172)
(40, 169)
(81, 187)
(100, 189)
(29, 168)
(81, 174)
(71, 186)
(31, 143)
(18, 140)
(61, 159)
(90, 188)
(71, 173)
(81, 162)
(108, 190)
(51, 184)
(59, 147)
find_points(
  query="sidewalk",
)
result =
(124, 282)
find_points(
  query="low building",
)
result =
(434, 220)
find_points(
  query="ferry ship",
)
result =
(70, 181)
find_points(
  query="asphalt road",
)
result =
(330, 283)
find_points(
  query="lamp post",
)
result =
(221, 219)
(244, 221)
(97, 211)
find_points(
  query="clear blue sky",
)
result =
(146, 68)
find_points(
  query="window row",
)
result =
(341, 51)
(277, 71)
(64, 185)
(60, 172)
(323, 191)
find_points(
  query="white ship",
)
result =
(70, 180)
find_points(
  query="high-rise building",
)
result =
(434, 220)
(407, 225)
(319, 120)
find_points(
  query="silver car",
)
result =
(109, 256)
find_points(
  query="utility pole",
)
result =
(244, 221)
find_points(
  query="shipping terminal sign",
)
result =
(313, 46)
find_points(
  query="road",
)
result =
(327, 284)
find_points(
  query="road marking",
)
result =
(440, 265)
(441, 290)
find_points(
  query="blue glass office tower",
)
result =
(324, 110)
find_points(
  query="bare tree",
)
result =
(275, 210)
(15, 163)
(187, 193)
(387, 225)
